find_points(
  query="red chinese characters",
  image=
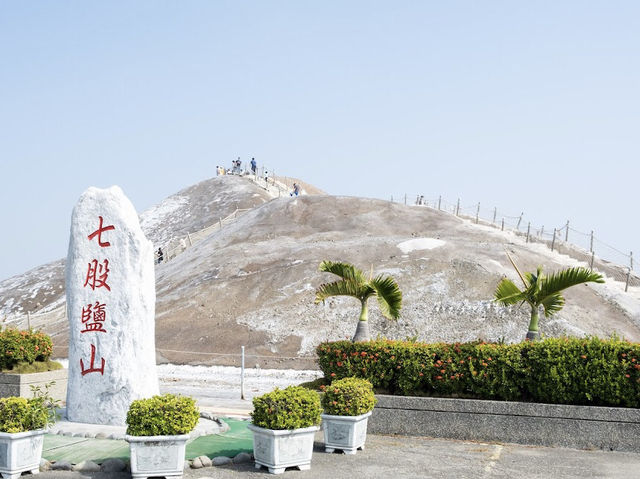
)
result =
(94, 315)
(92, 368)
(99, 232)
(97, 274)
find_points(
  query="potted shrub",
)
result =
(347, 405)
(157, 432)
(284, 423)
(22, 426)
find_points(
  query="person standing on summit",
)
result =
(254, 166)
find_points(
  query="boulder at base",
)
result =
(110, 285)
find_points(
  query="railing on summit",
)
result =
(563, 239)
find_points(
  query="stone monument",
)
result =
(110, 284)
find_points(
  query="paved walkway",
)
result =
(411, 457)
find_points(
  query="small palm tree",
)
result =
(355, 284)
(540, 290)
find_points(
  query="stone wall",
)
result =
(583, 427)
(20, 384)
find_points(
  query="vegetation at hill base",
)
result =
(354, 283)
(586, 371)
(542, 291)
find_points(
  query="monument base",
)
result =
(207, 425)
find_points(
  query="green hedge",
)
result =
(23, 347)
(589, 371)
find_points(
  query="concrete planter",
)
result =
(20, 384)
(20, 452)
(582, 427)
(157, 455)
(347, 433)
(278, 450)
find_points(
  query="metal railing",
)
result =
(180, 244)
(564, 239)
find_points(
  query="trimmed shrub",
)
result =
(18, 414)
(583, 371)
(35, 367)
(166, 415)
(292, 408)
(348, 397)
(23, 347)
(588, 371)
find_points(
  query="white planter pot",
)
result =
(157, 455)
(347, 433)
(278, 450)
(20, 452)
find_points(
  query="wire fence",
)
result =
(581, 245)
(238, 359)
(180, 244)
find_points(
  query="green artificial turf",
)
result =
(237, 439)
(78, 449)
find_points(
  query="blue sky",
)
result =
(527, 106)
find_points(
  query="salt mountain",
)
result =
(251, 283)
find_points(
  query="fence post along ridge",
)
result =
(579, 245)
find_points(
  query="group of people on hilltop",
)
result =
(236, 168)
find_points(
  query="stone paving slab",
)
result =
(426, 458)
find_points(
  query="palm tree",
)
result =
(540, 290)
(355, 284)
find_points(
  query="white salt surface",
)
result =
(224, 381)
(418, 244)
(218, 387)
(153, 217)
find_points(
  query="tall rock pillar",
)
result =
(110, 284)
